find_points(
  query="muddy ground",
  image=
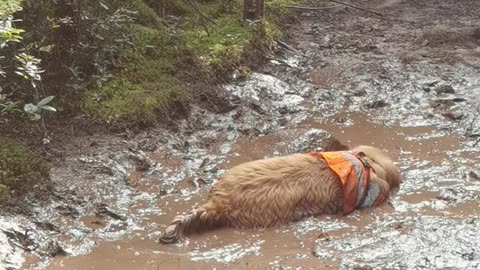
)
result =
(408, 82)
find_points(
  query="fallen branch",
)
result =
(356, 7)
(310, 8)
(286, 46)
(290, 48)
(281, 61)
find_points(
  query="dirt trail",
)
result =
(408, 83)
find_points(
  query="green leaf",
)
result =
(30, 108)
(35, 116)
(45, 101)
(47, 48)
(48, 108)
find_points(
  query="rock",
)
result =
(473, 130)
(315, 254)
(323, 236)
(22, 239)
(434, 103)
(53, 249)
(103, 209)
(451, 112)
(148, 145)
(283, 110)
(446, 100)
(142, 163)
(47, 226)
(453, 115)
(163, 192)
(452, 98)
(257, 132)
(444, 89)
(256, 106)
(470, 256)
(67, 210)
(427, 87)
(474, 175)
(104, 169)
(376, 104)
(360, 93)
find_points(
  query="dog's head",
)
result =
(381, 163)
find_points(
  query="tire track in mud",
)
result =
(361, 79)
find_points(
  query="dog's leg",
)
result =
(196, 221)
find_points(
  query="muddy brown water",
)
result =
(285, 248)
(358, 78)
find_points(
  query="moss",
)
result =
(242, 73)
(147, 84)
(157, 52)
(146, 15)
(266, 34)
(21, 171)
(221, 49)
(4, 195)
(123, 99)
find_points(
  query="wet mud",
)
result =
(408, 83)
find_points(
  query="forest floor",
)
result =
(407, 82)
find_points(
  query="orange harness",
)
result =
(354, 175)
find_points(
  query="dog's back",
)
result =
(264, 193)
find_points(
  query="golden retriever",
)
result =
(279, 190)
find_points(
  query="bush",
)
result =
(21, 172)
(128, 60)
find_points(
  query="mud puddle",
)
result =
(397, 83)
(309, 244)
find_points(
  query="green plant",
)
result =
(35, 110)
(28, 67)
(111, 34)
(7, 106)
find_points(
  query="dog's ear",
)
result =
(382, 184)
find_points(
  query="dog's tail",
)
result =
(196, 221)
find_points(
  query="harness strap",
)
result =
(354, 175)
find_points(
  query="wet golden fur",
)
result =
(270, 192)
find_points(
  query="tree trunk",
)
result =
(253, 9)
